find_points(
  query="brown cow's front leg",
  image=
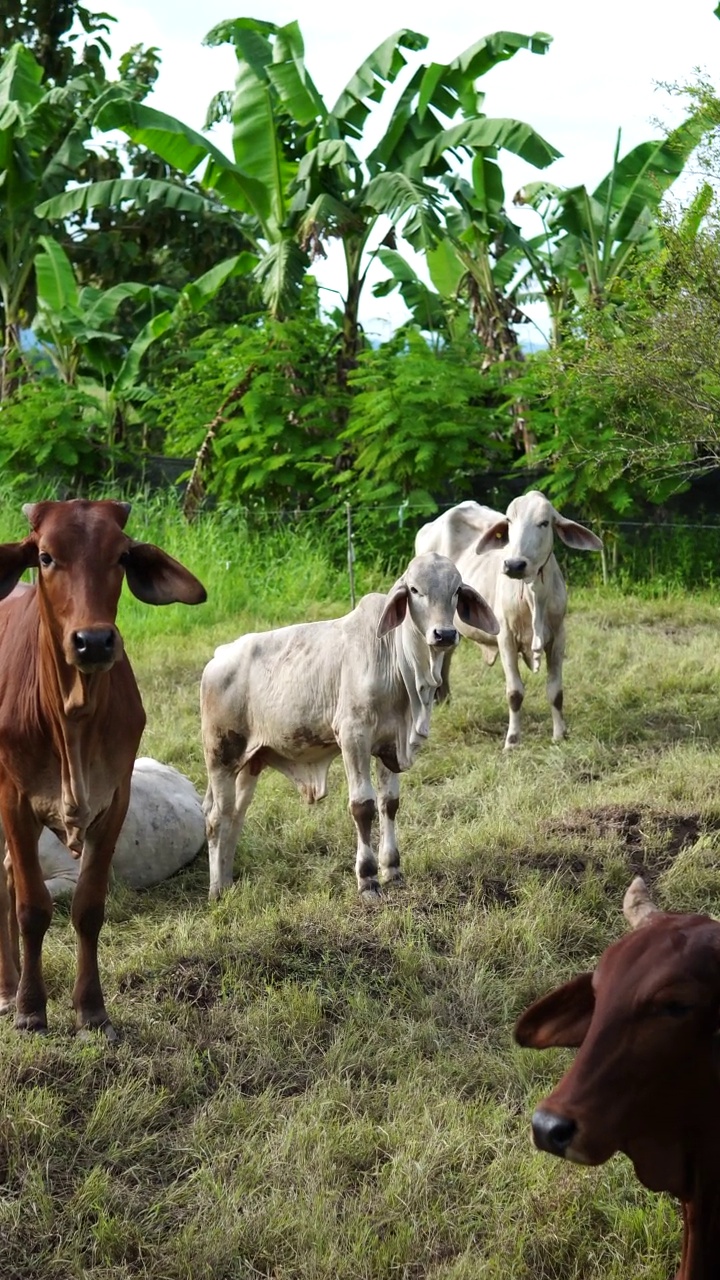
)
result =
(88, 914)
(33, 909)
(9, 952)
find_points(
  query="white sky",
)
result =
(602, 71)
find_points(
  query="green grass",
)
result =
(308, 1090)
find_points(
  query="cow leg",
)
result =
(33, 910)
(226, 802)
(555, 652)
(356, 759)
(88, 913)
(514, 687)
(442, 693)
(14, 931)
(388, 802)
(9, 951)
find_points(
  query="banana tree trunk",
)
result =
(9, 361)
(492, 315)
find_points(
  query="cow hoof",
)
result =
(7, 1005)
(88, 1034)
(393, 880)
(36, 1022)
(512, 741)
(371, 896)
(216, 891)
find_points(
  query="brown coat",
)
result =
(71, 719)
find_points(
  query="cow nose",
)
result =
(552, 1133)
(514, 568)
(444, 637)
(95, 645)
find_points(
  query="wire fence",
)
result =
(679, 553)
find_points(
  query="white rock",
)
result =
(164, 830)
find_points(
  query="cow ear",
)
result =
(15, 558)
(475, 611)
(155, 578)
(394, 611)
(560, 1019)
(495, 536)
(576, 535)
(121, 511)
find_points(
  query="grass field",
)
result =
(308, 1090)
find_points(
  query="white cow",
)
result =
(509, 558)
(164, 829)
(358, 686)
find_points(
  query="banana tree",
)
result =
(72, 325)
(589, 239)
(44, 134)
(437, 119)
(295, 170)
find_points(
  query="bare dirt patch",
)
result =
(652, 837)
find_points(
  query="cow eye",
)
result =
(673, 1009)
(414, 591)
(543, 524)
(45, 559)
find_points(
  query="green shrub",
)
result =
(56, 432)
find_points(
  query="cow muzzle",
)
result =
(443, 638)
(95, 648)
(515, 568)
(561, 1136)
(552, 1133)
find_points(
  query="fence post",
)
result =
(350, 554)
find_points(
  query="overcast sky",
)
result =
(603, 71)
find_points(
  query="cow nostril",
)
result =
(552, 1133)
(445, 635)
(95, 644)
(514, 567)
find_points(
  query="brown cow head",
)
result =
(645, 1078)
(82, 554)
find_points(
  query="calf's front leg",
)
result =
(88, 913)
(442, 693)
(33, 910)
(9, 948)
(389, 802)
(514, 687)
(355, 748)
(555, 652)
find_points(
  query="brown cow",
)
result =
(71, 719)
(645, 1079)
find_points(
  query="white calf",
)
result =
(359, 686)
(509, 558)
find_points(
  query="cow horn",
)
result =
(638, 908)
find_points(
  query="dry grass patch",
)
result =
(308, 1090)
